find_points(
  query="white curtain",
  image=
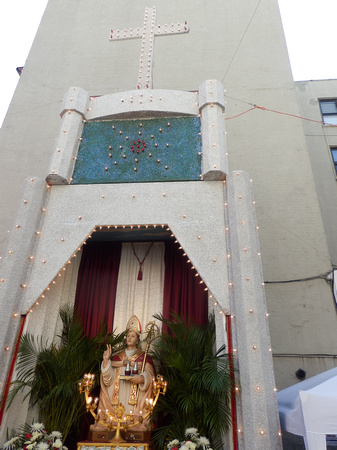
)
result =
(44, 320)
(140, 297)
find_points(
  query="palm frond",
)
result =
(49, 373)
(199, 381)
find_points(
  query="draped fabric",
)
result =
(108, 289)
(43, 321)
(183, 293)
(96, 286)
(142, 298)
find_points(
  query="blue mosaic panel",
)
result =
(131, 151)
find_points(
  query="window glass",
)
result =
(334, 156)
(329, 111)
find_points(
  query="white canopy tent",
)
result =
(309, 409)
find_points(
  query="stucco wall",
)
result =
(319, 139)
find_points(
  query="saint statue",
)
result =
(117, 387)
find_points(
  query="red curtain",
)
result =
(183, 293)
(96, 285)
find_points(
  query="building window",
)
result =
(329, 111)
(334, 156)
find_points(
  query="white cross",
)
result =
(147, 34)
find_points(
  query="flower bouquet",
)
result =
(36, 439)
(193, 442)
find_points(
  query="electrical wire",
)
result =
(242, 37)
(323, 276)
(263, 108)
(296, 235)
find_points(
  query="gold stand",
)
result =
(123, 421)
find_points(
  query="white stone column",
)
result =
(212, 107)
(73, 113)
(16, 265)
(258, 419)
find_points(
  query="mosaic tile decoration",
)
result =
(143, 150)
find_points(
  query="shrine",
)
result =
(132, 206)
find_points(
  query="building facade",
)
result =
(317, 102)
(241, 45)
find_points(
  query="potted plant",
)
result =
(50, 373)
(199, 382)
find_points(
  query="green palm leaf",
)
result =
(199, 382)
(50, 373)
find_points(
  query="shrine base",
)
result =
(129, 435)
(87, 445)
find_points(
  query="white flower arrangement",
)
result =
(193, 442)
(36, 439)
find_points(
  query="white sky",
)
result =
(309, 27)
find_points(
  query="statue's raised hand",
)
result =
(107, 355)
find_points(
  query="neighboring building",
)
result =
(240, 44)
(318, 105)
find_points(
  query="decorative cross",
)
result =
(147, 34)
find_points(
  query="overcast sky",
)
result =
(309, 28)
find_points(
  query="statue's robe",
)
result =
(115, 391)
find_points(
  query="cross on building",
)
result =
(147, 34)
